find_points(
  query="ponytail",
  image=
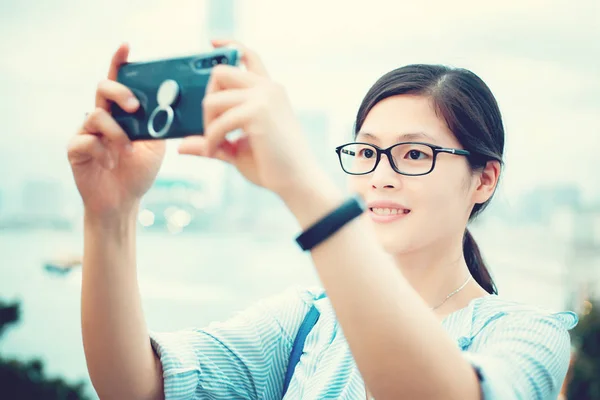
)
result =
(476, 264)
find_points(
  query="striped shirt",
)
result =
(518, 351)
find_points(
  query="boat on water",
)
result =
(62, 265)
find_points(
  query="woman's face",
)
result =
(414, 212)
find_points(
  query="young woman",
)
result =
(410, 310)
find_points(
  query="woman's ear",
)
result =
(487, 180)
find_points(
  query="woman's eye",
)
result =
(367, 153)
(416, 154)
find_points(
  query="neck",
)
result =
(435, 273)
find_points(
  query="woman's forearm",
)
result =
(399, 346)
(119, 356)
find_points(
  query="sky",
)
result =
(540, 58)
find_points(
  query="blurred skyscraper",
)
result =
(221, 22)
(221, 18)
(316, 124)
(42, 199)
(35, 204)
(244, 205)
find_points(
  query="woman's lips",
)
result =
(387, 212)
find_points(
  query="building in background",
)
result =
(40, 204)
(316, 125)
(221, 18)
(538, 205)
(583, 257)
(243, 206)
(174, 205)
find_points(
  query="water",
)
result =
(185, 280)
(192, 279)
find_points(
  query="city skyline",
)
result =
(542, 77)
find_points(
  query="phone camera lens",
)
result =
(199, 64)
(204, 63)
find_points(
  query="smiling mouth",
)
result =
(388, 211)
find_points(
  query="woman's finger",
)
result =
(248, 57)
(193, 145)
(230, 120)
(86, 148)
(216, 103)
(100, 122)
(118, 58)
(227, 77)
(113, 91)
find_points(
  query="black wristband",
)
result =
(331, 223)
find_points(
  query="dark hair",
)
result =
(471, 113)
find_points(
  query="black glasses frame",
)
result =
(388, 152)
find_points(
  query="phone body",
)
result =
(170, 92)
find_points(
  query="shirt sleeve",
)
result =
(523, 356)
(242, 357)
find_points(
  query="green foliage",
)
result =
(584, 382)
(25, 380)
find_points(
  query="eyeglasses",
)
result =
(406, 158)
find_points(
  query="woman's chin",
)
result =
(394, 242)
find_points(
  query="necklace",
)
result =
(453, 293)
(434, 308)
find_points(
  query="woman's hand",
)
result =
(272, 152)
(111, 172)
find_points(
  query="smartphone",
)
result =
(170, 92)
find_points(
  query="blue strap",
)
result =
(311, 318)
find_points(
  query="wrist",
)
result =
(311, 198)
(114, 221)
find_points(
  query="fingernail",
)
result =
(132, 103)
